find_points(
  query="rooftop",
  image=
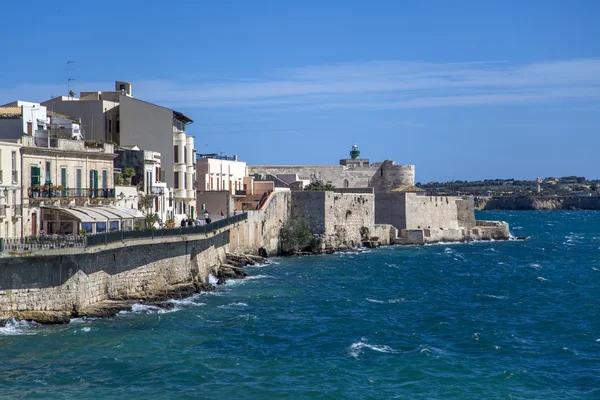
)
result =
(10, 112)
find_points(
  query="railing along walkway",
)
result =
(20, 245)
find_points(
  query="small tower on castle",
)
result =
(354, 153)
(538, 184)
(354, 161)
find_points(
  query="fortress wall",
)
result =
(337, 217)
(382, 176)
(390, 208)
(431, 212)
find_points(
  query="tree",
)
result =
(296, 236)
(128, 174)
(319, 185)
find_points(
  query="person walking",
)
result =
(222, 215)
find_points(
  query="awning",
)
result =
(98, 213)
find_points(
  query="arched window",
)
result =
(346, 183)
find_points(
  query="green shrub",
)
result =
(296, 236)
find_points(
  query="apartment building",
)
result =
(117, 117)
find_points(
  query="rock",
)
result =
(371, 244)
(105, 309)
(45, 317)
(205, 287)
(257, 259)
(239, 260)
(263, 252)
(521, 237)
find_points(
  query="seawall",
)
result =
(61, 283)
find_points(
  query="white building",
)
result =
(11, 210)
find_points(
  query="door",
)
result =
(34, 224)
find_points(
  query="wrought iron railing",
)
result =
(110, 237)
(155, 190)
(70, 193)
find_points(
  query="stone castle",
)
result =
(378, 197)
(353, 172)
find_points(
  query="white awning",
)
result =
(98, 213)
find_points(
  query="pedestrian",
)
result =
(222, 215)
(183, 223)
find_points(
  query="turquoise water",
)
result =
(495, 320)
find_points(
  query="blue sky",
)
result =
(464, 90)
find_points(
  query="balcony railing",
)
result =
(155, 190)
(72, 193)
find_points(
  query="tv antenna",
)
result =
(69, 79)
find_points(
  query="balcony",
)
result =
(71, 193)
(155, 190)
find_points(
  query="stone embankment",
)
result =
(538, 203)
(230, 268)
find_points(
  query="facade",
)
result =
(214, 172)
(117, 117)
(22, 118)
(383, 177)
(224, 185)
(11, 211)
(66, 175)
(154, 197)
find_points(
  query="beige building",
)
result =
(224, 185)
(10, 190)
(60, 180)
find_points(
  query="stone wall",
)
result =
(71, 282)
(383, 176)
(339, 218)
(261, 229)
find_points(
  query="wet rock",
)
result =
(45, 317)
(262, 252)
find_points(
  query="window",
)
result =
(114, 226)
(35, 175)
(185, 154)
(100, 227)
(176, 180)
(63, 178)
(121, 87)
(176, 153)
(118, 127)
(104, 179)
(1, 173)
(48, 165)
(78, 182)
(184, 181)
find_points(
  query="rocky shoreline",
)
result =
(232, 268)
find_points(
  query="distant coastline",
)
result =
(537, 202)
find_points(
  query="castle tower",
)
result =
(354, 161)
(354, 153)
(538, 184)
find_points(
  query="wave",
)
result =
(258, 277)
(147, 309)
(541, 278)
(16, 327)
(356, 349)
(236, 304)
(492, 296)
(390, 301)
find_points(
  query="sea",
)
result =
(516, 319)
